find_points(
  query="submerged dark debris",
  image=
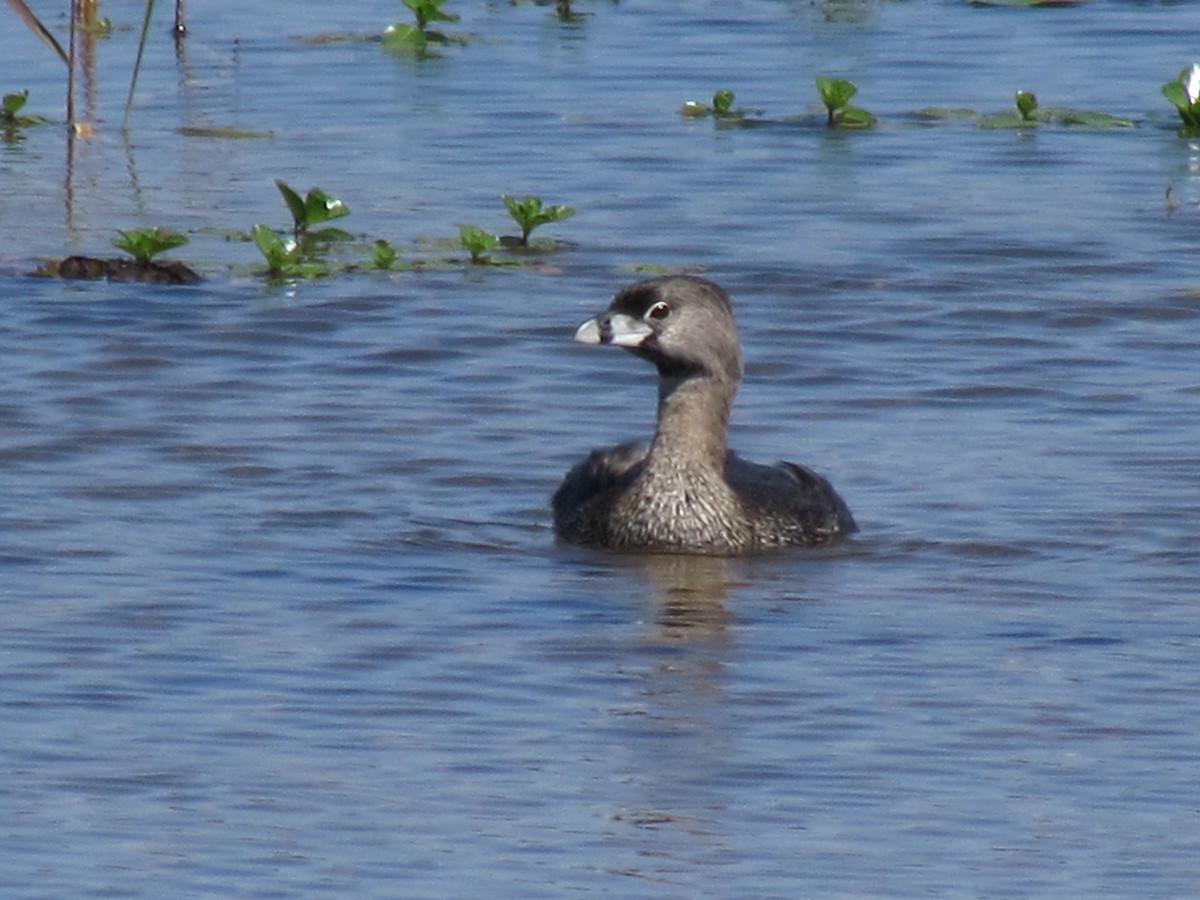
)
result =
(92, 268)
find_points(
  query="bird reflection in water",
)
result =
(687, 596)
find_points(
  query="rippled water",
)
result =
(281, 611)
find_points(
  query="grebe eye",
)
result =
(659, 310)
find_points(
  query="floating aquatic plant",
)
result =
(314, 208)
(1026, 105)
(1029, 114)
(529, 213)
(10, 108)
(417, 37)
(477, 242)
(405, 37)
(383, 254)
(1184, 94)
(143, 244)
(222, 131)
(722, 108)
(427, 11)
(836, 94)
(1086, 119)
(284, 256)
(722, 104)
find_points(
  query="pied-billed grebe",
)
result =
(686, 492)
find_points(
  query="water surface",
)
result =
(282, 613)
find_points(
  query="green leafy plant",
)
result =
(477, 242)
(722, 102)
(721, 108)
(143, 244)
(279, 252)
(1086, 119)
(836, 94)
(10, 107)
(383, 254)
(284, 255)
(301, 254)
(1029, 114)
(1184, 94)
(1026, 105)
(405, 37)
(417, 37)
(314, 208)
(427, 11)
(529, 213)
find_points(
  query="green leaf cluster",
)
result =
(1029, 114)
(301, 254)
(836, 94)
(427, 11)
(477, 242)
(10, 107)
(403, 36)
(1026, 105)
(383, 254)
(305, 253)
(315, 208)
(722, 103)
(529, 213)
(143, 244)
(721, 108)
(284, 256)
(416, 38)
(1184, 94)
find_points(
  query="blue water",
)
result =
(281, 613)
